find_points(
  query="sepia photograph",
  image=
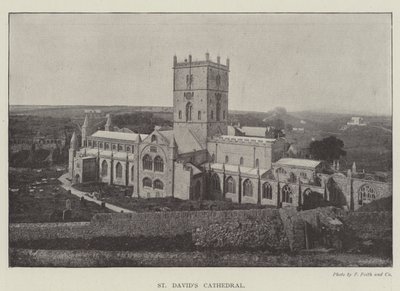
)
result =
(200, 140)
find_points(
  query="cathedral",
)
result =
(198, 159)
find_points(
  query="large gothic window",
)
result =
(147, 163)
(286, 194)
(147, 182)
(267, 191)
(215, 183)
(104, 168)
(366, 194)
(158, 164)
(158, 185)
(118, 170)
(230, 185)
(189, 109)
(247, 188)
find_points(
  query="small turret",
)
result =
(227, 62)
(73, 143)
(175, 60)
(108, 126)
(354, 168)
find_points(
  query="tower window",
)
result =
(212, 114)
(188, 111)
(218, 111)
(218, 80)
(223, 114)
(199, 115)
(189, 81)
(180, 114)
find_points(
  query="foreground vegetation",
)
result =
(96, 258)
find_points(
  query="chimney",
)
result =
(175, 60)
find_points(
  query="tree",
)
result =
(289, 127)
(327, 149)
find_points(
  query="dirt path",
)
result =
(66, 184)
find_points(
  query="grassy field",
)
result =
(35, 194)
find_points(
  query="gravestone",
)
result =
(68, 204)
(103, 204)
(83, 201)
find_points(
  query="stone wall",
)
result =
(156, 224)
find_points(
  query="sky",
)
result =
(320, 62)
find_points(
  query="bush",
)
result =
(253, 235)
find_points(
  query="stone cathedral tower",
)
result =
(201, 97)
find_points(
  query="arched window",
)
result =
(215, 183)
(247, 188)
(104, 168)
(212, 157)
(267, 191)
(147, 163)
(158, 185)
(241, 161)
(218, 107)
(147, 182)
(212, 114)
(218, 80)
(226, 159)
(158, 164)
(230, 185)
(118, 170)
(286, 194)
(257, 163)
(132, 173)
(281, 171)
(366, 194)
(107, 146)
(188, 111)
(153, 138)
(199, 115)
(180, 114)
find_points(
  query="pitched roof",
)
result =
(118, 135)
(254, 131)
(184, 139)
(298, 162)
